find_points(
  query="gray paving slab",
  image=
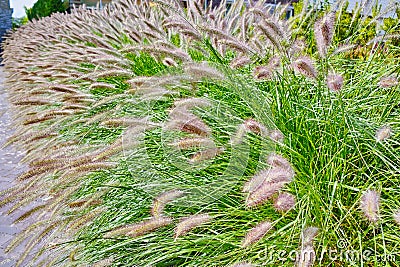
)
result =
(10, 168)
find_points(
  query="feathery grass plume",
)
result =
(262, 73)
(192, 102)
(334, 82)
(101, 85)
(238, 137)
(104, 263)
(387, 82)
(276, 135)
(121, 230)
(152, 93)
(270, 175)
(181, 119)
(148, 226)
(162, 200)
(269, 29)
(187, 224)
(176, 53)
(255, 127)
(169, 62)
(87, 218)
(203, 70)
(383, 133)
(235, 45)
(396, 216)
(308, 235)
(192, 142)
(256, 233)
(297, 47)
(34, 102)
(324, 29)
(240, 61)
(284, 202)
(38, 171)
(24, 234)
(115, 148)
(206, 154)
(263, 193)
(306, 257)
(128, 122)
(36, 239)
(75, 107)
(72, 175)
(26, 199)
(276, 160)
(242, 264)
(63, 88)
(85, 202)
(343, 48)
(46, 117)
(305, 66)
(110, 73)
(369, 204)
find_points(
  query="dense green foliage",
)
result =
(44, 8)
(18, 22)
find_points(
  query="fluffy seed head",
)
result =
(203, 70)
(254, 126)
(396, 216)
(390, 81)
(256, 233)
(161, 200)
(242, 264)
(239, 62)
(383, 133)
(239, 135)
(271, 175)
(190, 142)
(148, 226)
(308, 235)
(324, 30)
(169, 62)
(262, 73)
(276, 136)
(266, 72)
(104, 263)
(334, 82)
(188, 223)
(306, 257)
(276, 160)
(370, 205)
(206, 154)
(263, 193)
(305, 66)
(182, 119)
(284, 202)
(192, 102)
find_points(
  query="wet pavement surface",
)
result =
(10, 168)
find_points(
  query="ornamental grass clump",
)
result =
(122, 110)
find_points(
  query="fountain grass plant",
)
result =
(158, 135)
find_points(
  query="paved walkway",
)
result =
(9, 169)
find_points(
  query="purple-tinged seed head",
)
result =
(383, 133)
(369, 204)
(334, 82)
(284, 202)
